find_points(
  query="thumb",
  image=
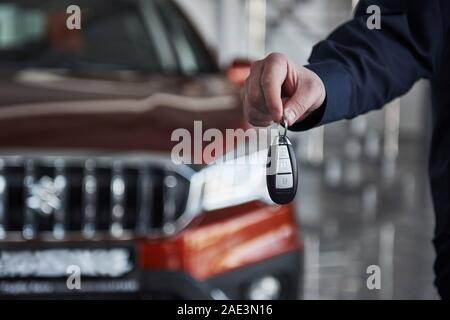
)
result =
(295, 108)
(302, 102)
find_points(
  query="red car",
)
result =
(91, 205)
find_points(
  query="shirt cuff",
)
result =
(337, 101)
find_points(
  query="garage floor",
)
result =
(386, 224)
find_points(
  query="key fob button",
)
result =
(281, 171)
(284, 166)
(284, 181)
(283, 152)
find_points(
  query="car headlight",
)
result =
(231, 182)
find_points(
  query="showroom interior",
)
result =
(363, 196)
(361, 167)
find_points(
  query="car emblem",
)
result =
(45, 195)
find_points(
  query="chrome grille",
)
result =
(93, 196)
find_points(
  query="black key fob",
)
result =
(281, 171)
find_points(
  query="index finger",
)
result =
(272, 79)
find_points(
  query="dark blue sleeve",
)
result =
(363, 69)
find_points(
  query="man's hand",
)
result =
(277, 86)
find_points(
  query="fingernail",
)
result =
(289, 114)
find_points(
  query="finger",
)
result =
(254, 95)
(272, 78)
(263, 108)
(262, 124)
(254, 115)
(301, 102)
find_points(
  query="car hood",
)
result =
(53, 110)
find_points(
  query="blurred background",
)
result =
(364, 195)
(363, 192)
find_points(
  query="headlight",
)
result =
(231, 182)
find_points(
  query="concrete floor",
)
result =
(379, 221)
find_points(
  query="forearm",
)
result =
(363, 69)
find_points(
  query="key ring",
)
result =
(284, 124)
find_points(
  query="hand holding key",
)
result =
(279, 90)
(278, 87)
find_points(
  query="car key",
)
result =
(281, 171)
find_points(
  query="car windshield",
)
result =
(150, 36)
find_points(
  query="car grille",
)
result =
(92, 196)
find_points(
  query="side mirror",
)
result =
(238, 71)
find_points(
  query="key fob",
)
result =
(281, 171)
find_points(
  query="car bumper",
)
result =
(287, 268)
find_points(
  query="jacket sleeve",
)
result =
(363, 69)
